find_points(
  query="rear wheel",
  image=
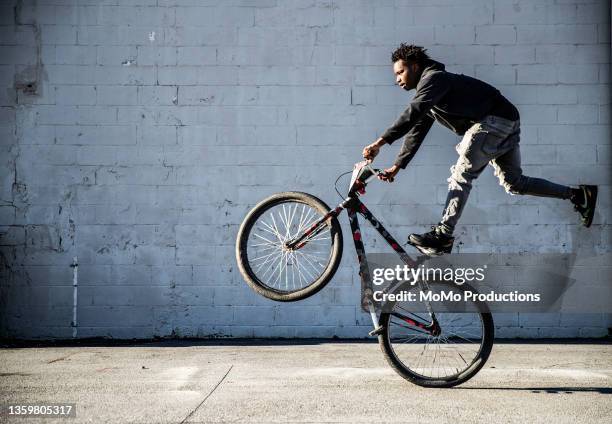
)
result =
(446, 359)
(272, 269)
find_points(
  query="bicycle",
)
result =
(289, 247)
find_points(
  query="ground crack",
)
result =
(207, 396)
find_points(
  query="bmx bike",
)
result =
(289, 247)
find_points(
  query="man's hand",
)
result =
(389, 173)
(371, 150)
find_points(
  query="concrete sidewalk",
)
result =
(303, 381)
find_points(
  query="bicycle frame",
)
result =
(354, 206)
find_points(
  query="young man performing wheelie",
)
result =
(490, 127)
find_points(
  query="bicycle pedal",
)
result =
(376, 331)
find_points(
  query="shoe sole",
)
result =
(431, 251)
(593, 199)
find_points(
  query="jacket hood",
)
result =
(432, 65)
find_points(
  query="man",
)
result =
(490, 127)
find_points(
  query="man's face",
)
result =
(405, 75)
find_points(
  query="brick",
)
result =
(75, 115)
(96, 155)
(496, 74)
(472, 55)
(309, 16)
(604, 73)
(604, 154)
(74, 55)
(115, 55)
(253, 36)
(496, 34)
(350, 14)
(197, 135)
(17, 55)
(7, 15)
(140, 175)
(373, 75)
(560, 94)
(544, 12)
(303, 95)
(219, 95)
(578, 114)
(70, 74)
(219, 75)
(603, 33)
(280, 56)
(578, 74)
(196, 56)
(157, 55)
(351, 55)
(11, 236)
(115, 135)
(454, 34)
(120, 35)
(58, 34)
(70, 15)
(334, 75)
(202, 36)
(261, 75)
(48, 154)
(245, 115)
(598, 12)
(150, 16)
(157, 95)
(75, 95)
(536, 74)
(514, 55)
(577, 154)
(215, 16)
(116, 95)
(538, 114)
(604, 114)
(477, 14)
(556, 34)
(159, 134)
(124, 75)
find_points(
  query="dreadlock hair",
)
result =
(410, 53)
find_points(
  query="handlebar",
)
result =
(362, 174)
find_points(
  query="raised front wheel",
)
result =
(277, 271)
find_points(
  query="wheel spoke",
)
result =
(444, 356)
(282, 269)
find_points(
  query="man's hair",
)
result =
(409, 53)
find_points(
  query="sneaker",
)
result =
(584, 203)
(432, 243)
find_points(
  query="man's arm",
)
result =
(413, 140)
(429, 91)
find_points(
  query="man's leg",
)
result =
(508, 171)
(459, 187)
(472, 161)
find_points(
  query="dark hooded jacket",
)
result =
(456, 101)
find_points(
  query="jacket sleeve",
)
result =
(413, 140)
(429, 91)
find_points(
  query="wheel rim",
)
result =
(443, 357)
(277, 267)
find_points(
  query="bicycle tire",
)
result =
(250, 220)
(443, 382)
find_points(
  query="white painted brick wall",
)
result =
(159, 123)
